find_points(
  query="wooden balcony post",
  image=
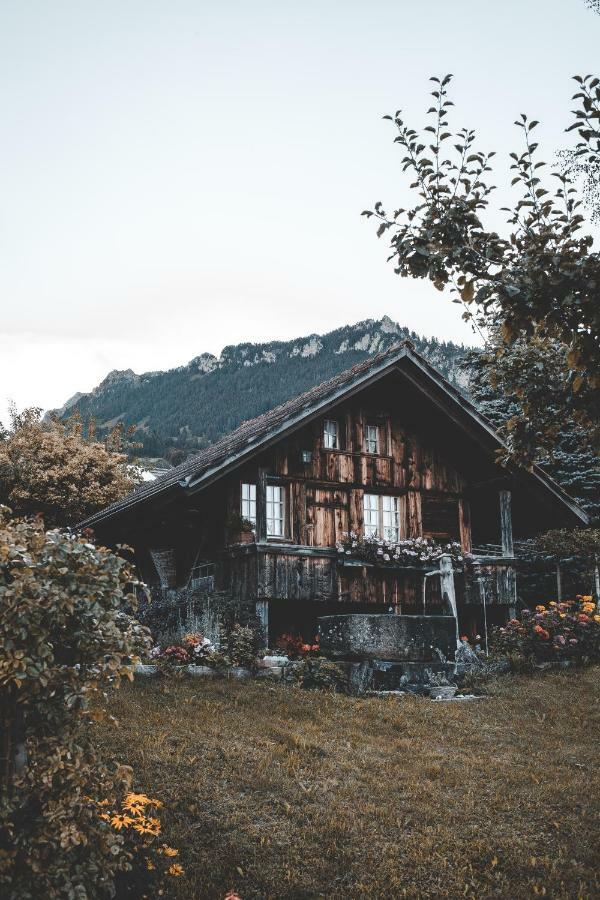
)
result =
(447, 588)
(464, 524)
(506, 531)
(261, 507)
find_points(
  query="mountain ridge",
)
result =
(177, 411)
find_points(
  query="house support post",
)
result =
(262, 614)
(506, 531)
(447, 589)
(509, 583)
(261, 507)
(558, 581)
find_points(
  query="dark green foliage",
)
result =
(572, 463)
(319, 673)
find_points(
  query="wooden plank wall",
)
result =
(325, 496)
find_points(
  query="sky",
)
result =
(178, 176)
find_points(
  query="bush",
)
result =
(558, 632)
(242, 646)
(63, 640)
(320, 673)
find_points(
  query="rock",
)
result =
(146, 671)
(466, 657)
(268, 661)
(239, 673)
(273, 672)
(201, 671)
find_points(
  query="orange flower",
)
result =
(121, 821)
(169, 851)
(147, 826)
(175, 870)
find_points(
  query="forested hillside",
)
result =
(180, 410)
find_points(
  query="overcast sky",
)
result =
(180, 175)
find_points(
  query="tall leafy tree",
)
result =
(58, 471)
(534, 291)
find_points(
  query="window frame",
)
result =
(379, 512)
(249, 501)
(327, 434)
(367, 439)
(270, 505)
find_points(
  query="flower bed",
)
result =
(419, 551)
(558, 631)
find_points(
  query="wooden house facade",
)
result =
(388, 448)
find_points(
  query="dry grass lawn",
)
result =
(283, 793)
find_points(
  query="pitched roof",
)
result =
(269, 426)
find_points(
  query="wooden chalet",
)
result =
(387, 447)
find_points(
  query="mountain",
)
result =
(176, 412)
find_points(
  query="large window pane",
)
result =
(391, 519)
(371, 514)
(331, 439)
(248, 509)
(372, 439)
(275, 510)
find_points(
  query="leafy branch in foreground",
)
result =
(539, 284)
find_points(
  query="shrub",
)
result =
(242, 646)
(559, 631)
(194, 649)
(63, 640)
(320, 673)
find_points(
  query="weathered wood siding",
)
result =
(324, 497)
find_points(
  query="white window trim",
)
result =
(387, 519)
(248, 502)
(276, 511)
(331, 434)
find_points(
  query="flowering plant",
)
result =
(136, 820)
(295, 647)
(566, 630)
(408, 552)
(194, 648)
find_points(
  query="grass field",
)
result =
(283, 793)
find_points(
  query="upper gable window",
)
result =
(331, 434)
(248, 505)
(372, 439)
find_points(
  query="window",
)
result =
(371, 514)
(331, 437)
(275, 511)
(381, 517)
(248, 508)
(372, 439)
(390, 519)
